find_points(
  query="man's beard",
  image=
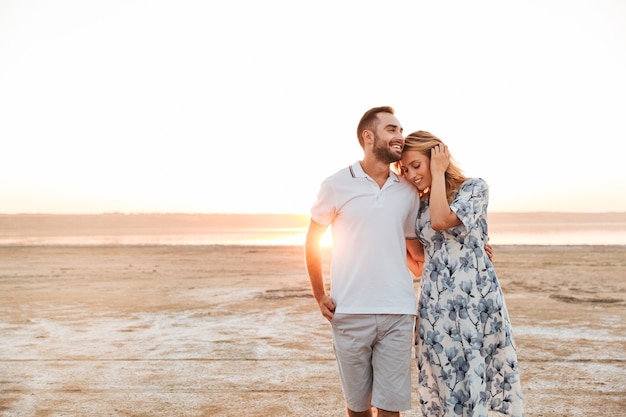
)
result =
(383, 153)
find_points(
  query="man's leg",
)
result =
(353, 336)
(385, 413)
(367, 413)
(370, 413)
(392, 365)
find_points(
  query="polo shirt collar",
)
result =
(357, 172)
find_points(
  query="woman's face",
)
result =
(415, 167)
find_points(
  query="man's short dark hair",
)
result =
(369, 121)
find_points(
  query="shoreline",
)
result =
(541, 228)
(252, 245)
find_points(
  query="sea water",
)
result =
(296, 236)
(117, 229)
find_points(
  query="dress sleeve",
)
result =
(470, 203)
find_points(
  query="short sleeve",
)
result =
(324, 209)
(470, 203)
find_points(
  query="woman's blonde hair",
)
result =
(423, 142)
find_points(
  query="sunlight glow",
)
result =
(327, 238)
(132, 105)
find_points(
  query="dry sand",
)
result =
(233, 331)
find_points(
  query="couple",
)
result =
(428, 217)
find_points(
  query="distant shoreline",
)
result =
(301, 220)
(527, 228)
(252, 247)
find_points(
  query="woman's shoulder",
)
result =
(471, 183)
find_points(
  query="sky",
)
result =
(246, 106)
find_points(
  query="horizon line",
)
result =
(271, 214)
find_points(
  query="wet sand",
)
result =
(233, 331)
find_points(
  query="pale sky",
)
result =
(246, 106)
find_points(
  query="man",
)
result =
(372, 303)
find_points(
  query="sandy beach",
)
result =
(233, 331)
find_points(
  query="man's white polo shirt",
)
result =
(369, 274)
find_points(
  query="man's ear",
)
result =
(368, 136)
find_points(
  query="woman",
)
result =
(465, 351)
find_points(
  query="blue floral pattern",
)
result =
(465, 351)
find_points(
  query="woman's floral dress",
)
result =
(465, 351)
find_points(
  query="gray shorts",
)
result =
(374, 354)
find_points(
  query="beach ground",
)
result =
(168, 331)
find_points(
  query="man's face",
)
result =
(388, 139)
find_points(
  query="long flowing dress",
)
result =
(465, 352)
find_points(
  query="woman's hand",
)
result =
(441, 216)
(439, 160)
